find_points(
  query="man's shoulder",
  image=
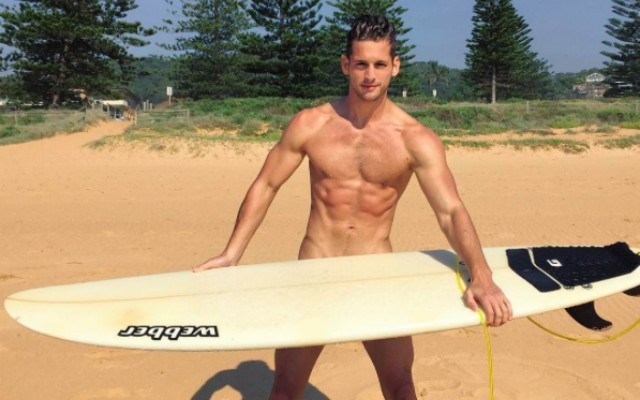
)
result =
(417, 137)
(306, 123)
(412, 129)
(314, 117)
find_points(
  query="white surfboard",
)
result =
(285, 304)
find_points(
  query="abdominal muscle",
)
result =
(349, 217)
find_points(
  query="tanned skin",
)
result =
(362, 152)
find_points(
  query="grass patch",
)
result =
(536, 132)
(633, 124)
(467, 144)
(565, 122)
(621, 143)
(262, 120)
(565, 145)
(34, 125)
(252, 127)
(603, 128)
(488, 128)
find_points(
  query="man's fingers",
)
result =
(470, 300)
(502, 313)
(216, 262)
(497, 311)
(207, 265)
(199, 268)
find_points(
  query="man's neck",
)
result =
(361, 112)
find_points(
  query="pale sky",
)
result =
(567, 33)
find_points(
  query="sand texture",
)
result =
(71, 214)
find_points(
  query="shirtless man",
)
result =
(363, 150)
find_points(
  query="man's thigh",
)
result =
(293, 366)
(392, 358)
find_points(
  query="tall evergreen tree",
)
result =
(500, 55)
(339, 24)
(283, 60)
(624, 64)
(58, 45)
(208, 47)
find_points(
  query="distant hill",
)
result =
(152, 78)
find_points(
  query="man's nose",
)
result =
(369, 74)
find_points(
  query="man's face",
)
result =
(370, 68)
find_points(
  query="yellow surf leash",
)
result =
(586, 341)
(536, 323)
(487, 336)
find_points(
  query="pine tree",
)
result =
(208, 49)
(61, 46)
(283, 60)
(500, 55)
(624, 65)
(339, 24)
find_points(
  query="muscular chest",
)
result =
(377, 156)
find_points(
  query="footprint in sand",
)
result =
(109, 359)
(112, 393)
(430, 389)
(468, 380)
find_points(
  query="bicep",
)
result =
(435, 177)
(281, 163)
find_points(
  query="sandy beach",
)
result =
(71, 214)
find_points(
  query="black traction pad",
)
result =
(572, 266)
(521, 264)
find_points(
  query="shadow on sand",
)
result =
(251, 379)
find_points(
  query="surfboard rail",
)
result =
(285, 304)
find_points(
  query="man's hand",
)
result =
(215, 262)
(490, 298)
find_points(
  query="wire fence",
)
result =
(156, 116)
(74, 118)
(557, 105)
(18, 126)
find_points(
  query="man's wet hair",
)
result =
(372, 27)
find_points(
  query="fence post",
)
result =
(528, 107)
(637, 107)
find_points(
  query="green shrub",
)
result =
(621, 143)
(29, 119)
(462, 117)
(251, 127)
(616, 116)
(632, 124)
(8, 131)
(565, 122)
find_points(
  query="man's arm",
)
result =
(438, 185)
(281, 162)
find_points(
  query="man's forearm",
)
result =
(251, 214)
(462, 235)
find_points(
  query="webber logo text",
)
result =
(169, 332)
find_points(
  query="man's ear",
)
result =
(396, 66)
(344, 63)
